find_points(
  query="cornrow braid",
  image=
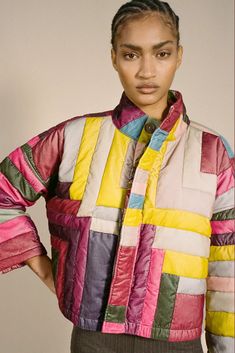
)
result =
(136, 9)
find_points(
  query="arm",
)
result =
(25, 175)
(41, 266)
(220, 285)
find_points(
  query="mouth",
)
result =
(147, 88)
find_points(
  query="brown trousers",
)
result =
(84, 341)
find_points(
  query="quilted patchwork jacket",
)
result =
(141, 225)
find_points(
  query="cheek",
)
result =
(169, 70)
(126, 75)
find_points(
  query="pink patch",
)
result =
(62, 247)
(15, 227)
(18, 250)
(191, 316)
(153, 286)
(48, 151)
(17, 157)
(122, 280)
(185, 335)
(138, 188)
(112, 327)
(12, 192)
(225, 181)
(33, 141)
(221, 227)
(145, 331)
(220, 284)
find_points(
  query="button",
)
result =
(129, 184)
(150, 127)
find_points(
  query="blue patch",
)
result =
(157, 139)
(133, 128)
(136, 201)
(227, 146)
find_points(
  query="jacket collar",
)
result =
(129, 119)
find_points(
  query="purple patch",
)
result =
(223, 239)
(7, 202)
(101, 254)
(139, 285)
(75, 265)
(62, 190)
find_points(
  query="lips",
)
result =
(147, 88)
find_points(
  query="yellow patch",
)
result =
(85, 154)
(178, 219)
(133, 217)
(222, 253)
(180, 264)
(111, 194)
(220, 323)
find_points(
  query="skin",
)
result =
(41, 266)
(146, 53)
(146, 57)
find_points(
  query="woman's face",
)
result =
(146, 57)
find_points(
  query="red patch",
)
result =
(188, 312)
(62, 247)
(64, 206)
(47, 153)
(214, 155)
(123, 276)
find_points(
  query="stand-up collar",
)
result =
(130, 119)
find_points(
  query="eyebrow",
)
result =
(136, 47)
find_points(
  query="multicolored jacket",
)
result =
(141, 225)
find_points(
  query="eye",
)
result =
(163, 54)
(130, 56)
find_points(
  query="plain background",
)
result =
(55, 64)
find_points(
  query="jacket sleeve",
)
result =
(25, 175)
(220, 283)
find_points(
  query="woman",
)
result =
(133, 195)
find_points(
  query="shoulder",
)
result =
(73, 122)
(200, 127)
(105, 114)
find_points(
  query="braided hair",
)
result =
(139, 8)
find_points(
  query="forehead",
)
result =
(145, 30)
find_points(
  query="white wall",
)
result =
(55, 64)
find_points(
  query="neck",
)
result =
(159, 114)
(157, 111)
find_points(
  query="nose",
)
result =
(147, 68)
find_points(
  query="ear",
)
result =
(114, 56)
(180, 56)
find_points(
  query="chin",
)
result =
(147, 100)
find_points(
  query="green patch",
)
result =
(224, 215)
(165, 306)
(29, 158)
(55, 259)
(158, 332)
(115, 314)
(18, 181)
